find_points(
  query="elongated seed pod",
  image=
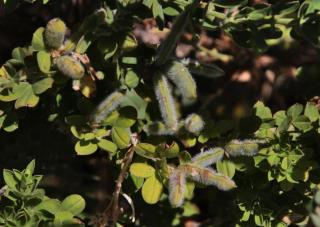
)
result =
(207, 176)
(242, 147)
(166, 102)
(177, 187)
(54, 33)
(157, 128)
(208, 157)
(109, 104)
(193, 123)
(70, 67)
(182, 78)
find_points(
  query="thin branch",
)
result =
(111, 213)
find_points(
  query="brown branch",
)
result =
(111, 213)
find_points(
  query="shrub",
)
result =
(133, 101)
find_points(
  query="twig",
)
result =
(111, 213)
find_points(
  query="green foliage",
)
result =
(118, 95)
(23, 203)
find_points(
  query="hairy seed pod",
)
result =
(207, 176)
(242, 147)
(193, 123)
(177, 187)
(109, 104)
(166, 101)
(208, 157)
(182, 78)
(157, 128)
(54, 33)
(70, 67)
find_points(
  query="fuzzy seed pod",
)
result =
(182, 78)
(207, 176)
(193, 123)
(157, 128)
(54, 33)
(244, 147)
(166, 102)
(70, 67)
(109, 104)
(177, 187)
(208, 157)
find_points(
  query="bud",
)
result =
(177, 187)
(54, 33)
(208, 157)
(70, 67)
(181, 77)
(207, 176)
(166, 102)
(242, 147)
(109, 104)
(193, 123)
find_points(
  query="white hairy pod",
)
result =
(177, 187)
(182, 78)
(109, 104)
(166, 101)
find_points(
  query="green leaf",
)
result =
(107, 145)
(152, 190)
(131, 79)
(133, 99)
(285, 124)
(42, 85)
(44, 61)
(295, 110)
(84, 43)
(85, 147)
(157, 10)
(37, 40)
(30, 167)
(142, 170)
(146, 150)
(108, 47)
(262, 111)
(279, 117)
(9, 179)
(226, 168)
(302, 123)
(63, 218)
(169, 151)
(75, 204)
(121, 137)
(26, 97)
(50, 205)
(137, 181)
(311, 111)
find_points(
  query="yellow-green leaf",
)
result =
(145, 150)
(121, 137)
(37, 39)
(142, 170)
(44, 61)
(85, 147)
(152, 190)
(107, 145)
